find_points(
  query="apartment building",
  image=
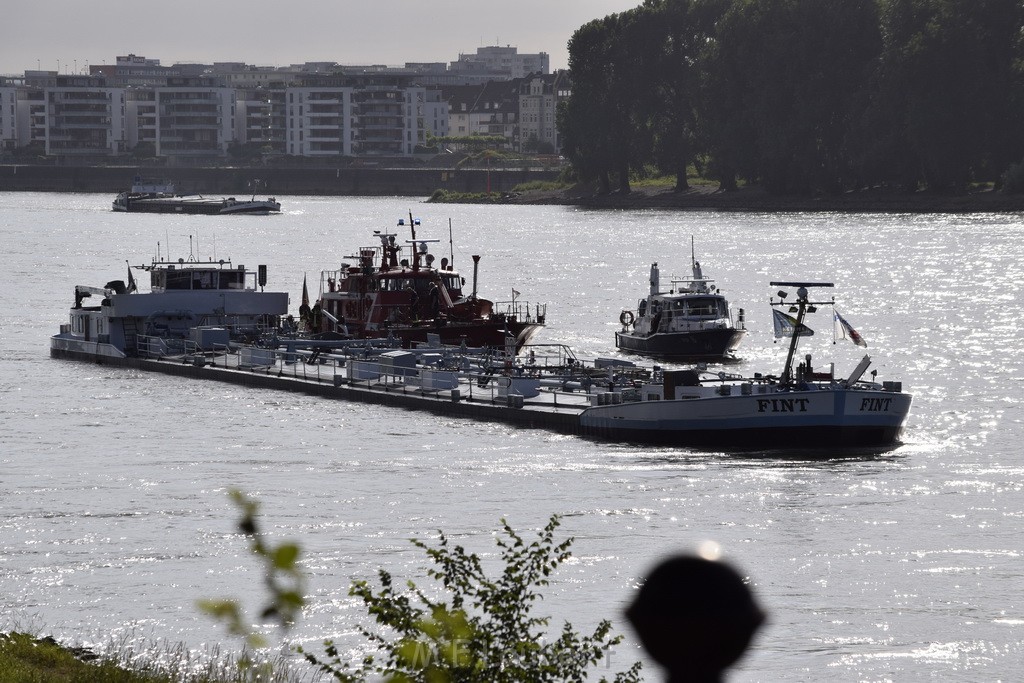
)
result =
(191, 112)
(490, 109)
(8, 115)
(84, 118)
(504, 63)
(362, 116)
(319, 121)
(261, 118)
(195, 119)
(539, 95)
(140, 117)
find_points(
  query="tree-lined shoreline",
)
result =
(801, 97)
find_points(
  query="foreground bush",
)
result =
(483, 630)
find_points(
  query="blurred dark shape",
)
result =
(695, 617)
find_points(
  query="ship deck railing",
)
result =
(474, 385)
(521, 311)
(163, 347)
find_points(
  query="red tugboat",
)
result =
(397, 291)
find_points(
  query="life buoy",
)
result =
(626, 318)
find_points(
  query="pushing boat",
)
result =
(190, 305)
(203, 321)
(398, 288)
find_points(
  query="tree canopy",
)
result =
(801, 96)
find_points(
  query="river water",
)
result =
(902, 565)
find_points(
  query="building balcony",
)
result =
(184, 110)
(322, 138)
(381, 127)
(371, 138)
(81, 98)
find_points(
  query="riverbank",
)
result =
(485, 186)
(755, 199)
(360, 180)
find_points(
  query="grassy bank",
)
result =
(26, 658)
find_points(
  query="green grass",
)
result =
(448, 197)
(26, 658)
(541, 185)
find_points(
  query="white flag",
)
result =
(848, 330)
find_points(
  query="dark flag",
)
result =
(132, 287)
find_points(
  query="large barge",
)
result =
(179, 328)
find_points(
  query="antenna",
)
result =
(451, 246)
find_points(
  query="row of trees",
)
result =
(801, 96)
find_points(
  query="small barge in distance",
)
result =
(161, 197)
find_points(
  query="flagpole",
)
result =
(787, 370)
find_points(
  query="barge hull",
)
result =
(828, 439)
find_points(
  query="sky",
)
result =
(69, 35)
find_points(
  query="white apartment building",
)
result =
(83, 119)
(368, 119)
(505, 61)
(319, 121)
(194, 120)
(261, 118)
(539, 96)
(140, 115)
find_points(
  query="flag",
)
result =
(848, 330)
(514, 293)
(785, 324)
(132, 287)
(305, 293)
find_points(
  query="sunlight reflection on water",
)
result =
(902, 563)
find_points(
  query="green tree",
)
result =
(949, 92)
(484, 631)
(788, 79)
(583, 119)
(674, 34)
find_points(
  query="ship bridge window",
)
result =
(705, 306)
(453, 283)
(232, 279)
(421, 285)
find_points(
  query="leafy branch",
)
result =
(282, 577)
(484, 631)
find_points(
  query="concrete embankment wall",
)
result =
(356, 181)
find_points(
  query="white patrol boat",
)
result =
(689, 322)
